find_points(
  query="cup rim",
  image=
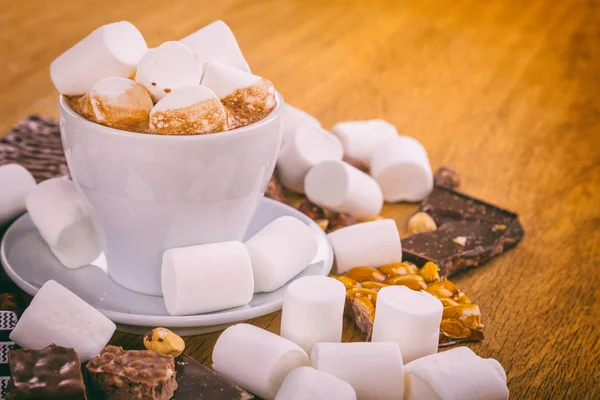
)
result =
(66, 108)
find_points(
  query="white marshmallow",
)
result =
(256, 359)
(56, 315)
(410, 318)
(280, 251)
(119, 103)
(455, 374)
(111, 50)
(189, 110)
(59, 212)
(374, 370)
(306, 383)
(205, 278)
(16, 183)
(361, 138)
(313, 311)
(340, 187)
(374, 244)
(170, 66)
(308, 146)
(293, 118)
(401, 167)
(216, 43)
(247, 98)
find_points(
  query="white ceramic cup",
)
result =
(149, 193)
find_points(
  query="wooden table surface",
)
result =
(506, 91)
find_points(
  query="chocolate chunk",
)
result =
(197, 382)
(132, 374)
(470, 232)
(51, 373)
(447, 177)
(275, 190)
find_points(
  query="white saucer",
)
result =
(29, 263)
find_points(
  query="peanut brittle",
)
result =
(461, 320)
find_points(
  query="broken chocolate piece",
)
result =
(51, 373)
(275, 190)
(198, 382)
(447, 177)
(470, 232)
(132, 374)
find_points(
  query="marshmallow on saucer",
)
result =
(410, 318)
(308, 146)
(373, 244)
(59, 212)
(306, 383)
(16, 183)
(454, 375)
(170, 66)
(119, 103)
(256, 359)
(340, 187)
(189, 110)
(293, 118)
(111, 50)
(247, 98)
(216, 43)
(374, 370)
(361, 138)
(205, 278)
(401, 167)
(280, 251)
(313, 311)
(58, 316)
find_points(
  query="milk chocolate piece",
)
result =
(116, 374)
(196, 382)
(51, 373)
(470, 232)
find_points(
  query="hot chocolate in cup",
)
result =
(149, 193)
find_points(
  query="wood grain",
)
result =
(507, 91)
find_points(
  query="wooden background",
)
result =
(507, 91)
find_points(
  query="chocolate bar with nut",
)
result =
(51, 373)
(470, 232)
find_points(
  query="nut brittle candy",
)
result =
(461, 320)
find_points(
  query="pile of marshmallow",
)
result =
(401, 361)
(199, 84)
(311, 162)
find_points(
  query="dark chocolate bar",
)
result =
(51, 373)
(470, 232)
(196, 382)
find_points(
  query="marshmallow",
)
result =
(410, 318)
(16, 183)
(374, 370)
(247, 98)
(308, 146)
(117, 102)
(111, 50)
(189, 110)
(401, 167)
(205, 278)
(306, 383)
(280, 251)
(216, 43)
(256, 359)
(373, 244)
(313, 311)
(293, 118)
(361, 138)
(58, 316)
(340, 187)
(170, 66)
(454, 375)
(59, 212)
